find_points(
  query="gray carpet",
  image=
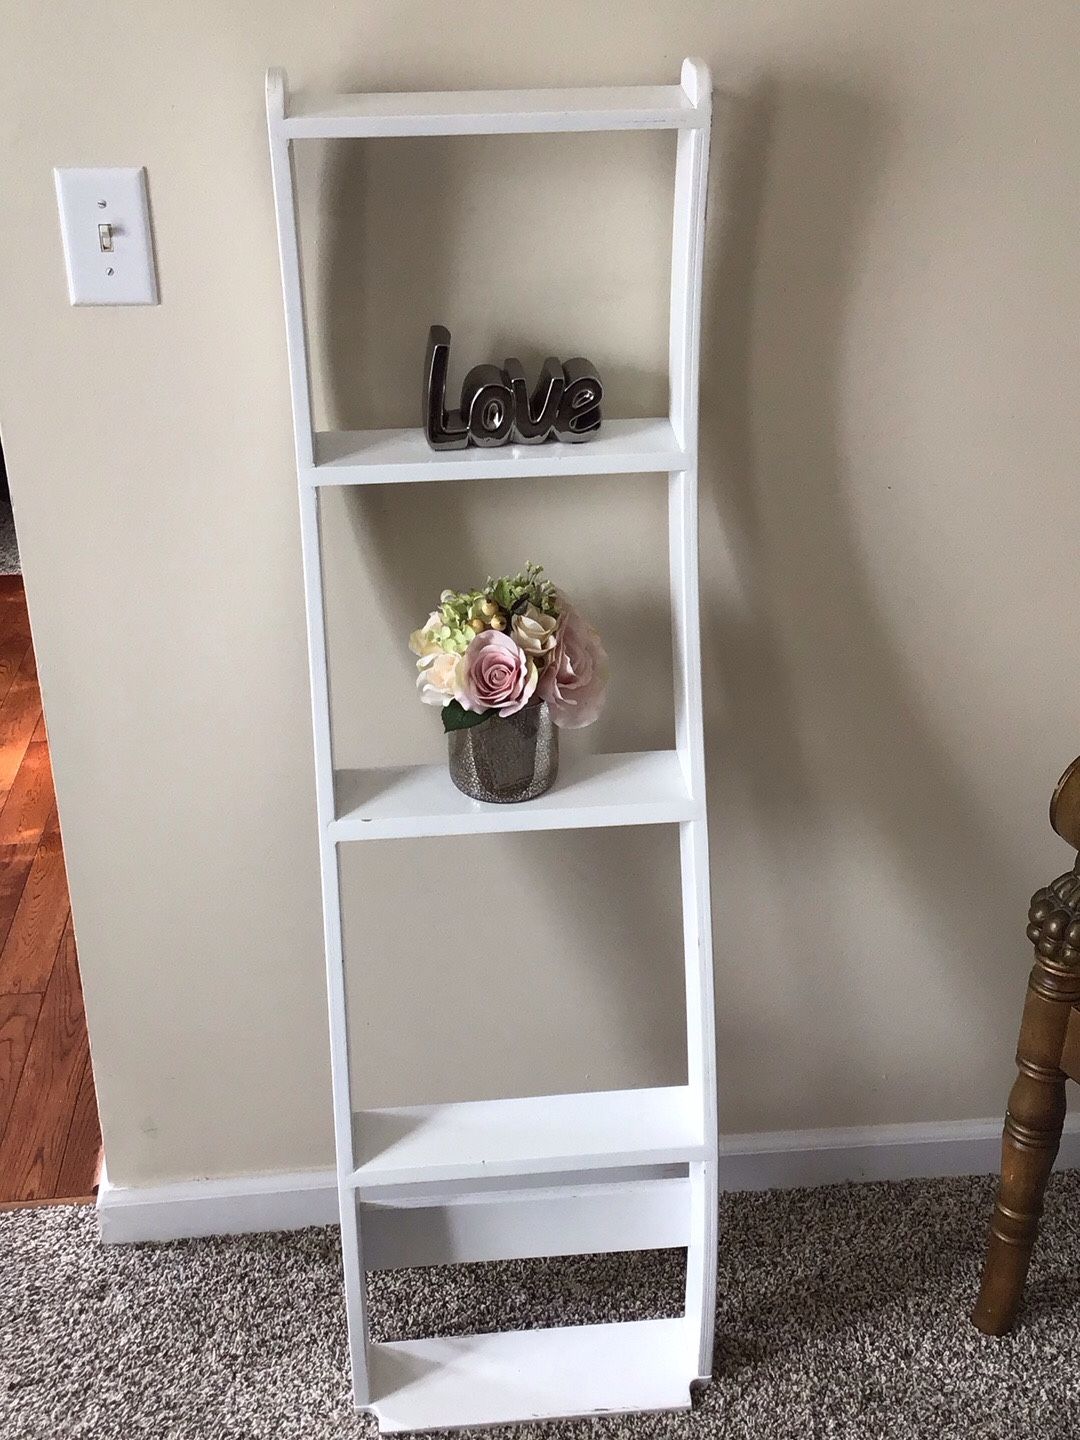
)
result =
(842, 1313)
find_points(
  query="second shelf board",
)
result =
(538, 1135)
(394, 457)
(645, 787)
(458, 1381)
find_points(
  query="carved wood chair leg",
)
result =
(1032, 1133)
(1036, 1112)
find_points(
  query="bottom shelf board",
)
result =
(574, 1371)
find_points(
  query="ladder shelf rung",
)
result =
(514, 1139)
(471, 1380)
(645, 787)
(385, 457)
(489, 112)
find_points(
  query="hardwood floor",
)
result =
(50, 1144)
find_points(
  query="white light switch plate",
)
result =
(105, 224)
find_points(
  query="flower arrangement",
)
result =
(515, 642)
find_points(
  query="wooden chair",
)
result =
(1047, 1054)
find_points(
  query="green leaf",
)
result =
(456, 717)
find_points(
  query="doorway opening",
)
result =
(50, 1142)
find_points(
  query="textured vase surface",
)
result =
(504, 761)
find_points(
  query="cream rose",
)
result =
(535, 633)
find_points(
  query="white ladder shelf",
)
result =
(550, 1175)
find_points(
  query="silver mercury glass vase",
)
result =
(504, 761)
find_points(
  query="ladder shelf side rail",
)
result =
(311, 545)
(687, 264)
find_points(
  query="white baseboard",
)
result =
(773, 1160)
(187, 1208)
(784, 1159)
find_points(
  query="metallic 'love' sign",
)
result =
(496, 407)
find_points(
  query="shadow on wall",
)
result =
(812, 716)
(410, 541)
(823, 767)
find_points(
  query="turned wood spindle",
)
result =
(1049, 1032)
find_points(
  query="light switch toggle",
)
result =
(105, 237)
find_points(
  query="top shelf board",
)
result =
(490, 112)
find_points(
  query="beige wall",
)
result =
(891, 434)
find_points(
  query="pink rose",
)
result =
(574, 684)
(496, 674)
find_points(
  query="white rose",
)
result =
(438, 677)
(422, 641)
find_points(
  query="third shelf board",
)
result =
(537, 1135)
(389, 457)
(644, 787)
